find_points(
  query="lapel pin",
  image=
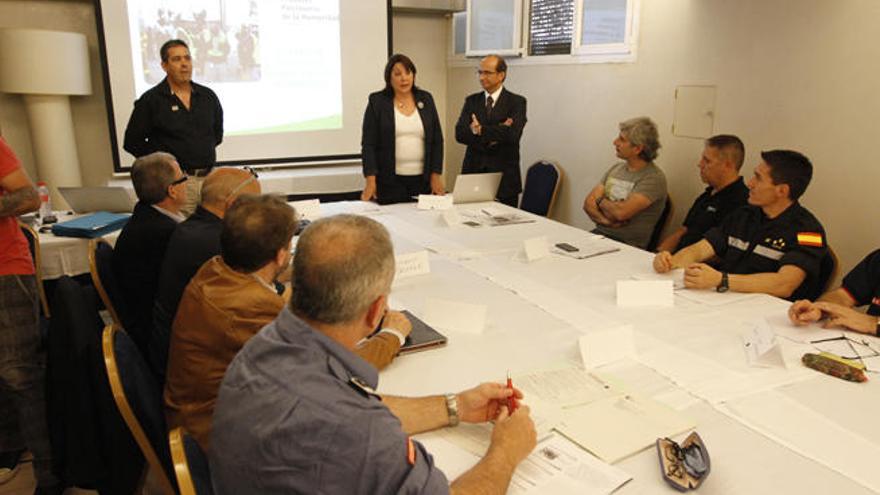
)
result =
(420, 105)
(174, 108)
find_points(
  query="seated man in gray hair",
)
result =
(298, 412)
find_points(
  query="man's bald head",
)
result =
(342, 264)
(224, 184)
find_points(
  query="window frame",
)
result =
(625, 52)
(516, 49)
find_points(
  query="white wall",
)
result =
(799, 74)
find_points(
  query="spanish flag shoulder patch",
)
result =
(410, 451)
(813, 239)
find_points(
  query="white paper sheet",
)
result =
(617, 427)
(308, 209)
(606, 346)
(710, 297)
(677, 277)
(535, 248)
(563, 387)
(644, 293)
(455, 316)
(762, 347)
(434, 202)
(451, 218)
(411, 264)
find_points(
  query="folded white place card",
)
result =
(433, 202)
(451, 218)
(636, 293)
(762, 347)
(607, 346)
(535, 248)
(308, 209)
(411, 264)
(455, 316)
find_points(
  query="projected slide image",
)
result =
(275, 64)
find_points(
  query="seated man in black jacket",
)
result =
(160, 187)
(193, 242)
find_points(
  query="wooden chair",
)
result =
(660, 226)
(33, 240)
(543, 179)
(104, 280)
(190, 464)
(139, 400)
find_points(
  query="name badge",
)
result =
(737, 243)
(768, 253)
(711, 209)
(174, 108)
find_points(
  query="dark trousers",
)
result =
(22, 375)
(401, 188)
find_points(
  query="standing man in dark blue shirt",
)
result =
(180, 117)
(719, 168)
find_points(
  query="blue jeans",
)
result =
(22, 375)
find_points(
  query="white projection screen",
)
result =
(292, 76)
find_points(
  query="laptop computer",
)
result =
(89, 199)
(473, 188)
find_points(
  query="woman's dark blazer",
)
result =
(378, 139)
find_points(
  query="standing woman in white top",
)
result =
(401, 142)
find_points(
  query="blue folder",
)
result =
(91, 226)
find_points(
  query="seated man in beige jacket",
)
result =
(229, 300)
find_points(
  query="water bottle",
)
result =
(45, 202)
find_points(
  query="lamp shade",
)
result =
(36, 61)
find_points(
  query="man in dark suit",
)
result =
(490, 125)
(160, 186)
(194, 242)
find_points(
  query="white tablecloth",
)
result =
(66, 255)
(768, 430)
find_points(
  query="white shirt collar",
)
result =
(177, 217)
(494, 95)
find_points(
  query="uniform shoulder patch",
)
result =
(813, 239)
(410, 451)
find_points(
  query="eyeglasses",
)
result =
(857, 356)
(486, 72)
(180, 180)
(245, 182)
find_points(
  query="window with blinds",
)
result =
(550, 27)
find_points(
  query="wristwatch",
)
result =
(724, 285)
(452, 409)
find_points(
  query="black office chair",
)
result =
(660, 226)
(543, 179)
(104, 280)
(828, 270)
(139, 400)
(190, 464)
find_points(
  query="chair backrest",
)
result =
(104, 280)
(139, 400)
(33, 240)
(829, 268)
(190, 464)
(662, 222)
(543, 179)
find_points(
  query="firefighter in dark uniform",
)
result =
(774, 245)
(860, 287)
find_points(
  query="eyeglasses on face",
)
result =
(180, 180)
(486, 72)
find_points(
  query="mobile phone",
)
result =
(566, 247)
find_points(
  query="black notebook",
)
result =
(422, 337)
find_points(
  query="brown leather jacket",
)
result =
(219, 311)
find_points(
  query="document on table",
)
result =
(565, 387)
(556, 466)
(617, 427)
(710, 297)
(677, 277)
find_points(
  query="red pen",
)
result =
(511, 401)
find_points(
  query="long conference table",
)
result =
(767, 429)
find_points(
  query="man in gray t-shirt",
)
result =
(629, 199)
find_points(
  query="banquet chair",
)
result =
(660, 226)
(543, 179)
(104, 280)
(33, 240)
(139, 400)
(190, 464)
